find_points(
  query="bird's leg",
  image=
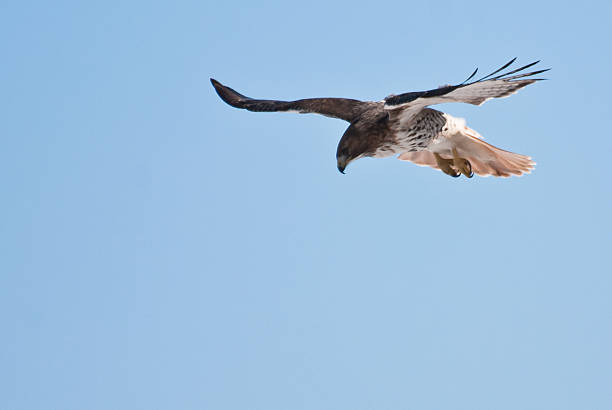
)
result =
(462, 164)
(445, 165)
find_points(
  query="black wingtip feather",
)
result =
(499, 77)
(470, 77)
(499, 69)
(514, 77)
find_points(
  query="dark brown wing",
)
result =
(343, 108)
(476, 92)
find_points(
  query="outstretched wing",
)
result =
(343, 108)
(476, 92)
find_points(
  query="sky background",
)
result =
(160, 249)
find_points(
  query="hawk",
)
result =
(403, 124)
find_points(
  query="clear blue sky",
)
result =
(162, 250)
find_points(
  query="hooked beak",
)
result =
(341, 164)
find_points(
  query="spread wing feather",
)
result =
(476, 92)
(343, 108)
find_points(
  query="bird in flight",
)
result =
(403, 125)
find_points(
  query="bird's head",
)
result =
(360, 138)
(343, 158)
(349, 149)
(356, 142)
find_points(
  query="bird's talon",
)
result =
(468, 169)
(463, 165)
(446, 166)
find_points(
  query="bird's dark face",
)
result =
(360, 138)
(342, 158)
(348, 151)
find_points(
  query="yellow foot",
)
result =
(446, 165)
(462, 164)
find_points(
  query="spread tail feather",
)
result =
(485, 159)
